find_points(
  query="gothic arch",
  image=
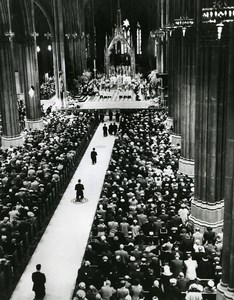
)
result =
(46, 14)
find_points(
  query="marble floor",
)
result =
(62, 246)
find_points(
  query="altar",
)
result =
(120, 53)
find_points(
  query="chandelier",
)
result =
(169, 28)
(219, 14)
(159, 33)
(184, 23)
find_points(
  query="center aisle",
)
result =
(62, 246)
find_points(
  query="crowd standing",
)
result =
(29, 173)
(142, 244)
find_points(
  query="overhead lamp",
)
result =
(48, 35)
(49, 47)
(219, 14)
(38, 49)
(169, 28)
(68, 35)
(184, 23)
(9, 34)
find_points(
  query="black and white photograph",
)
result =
(116, 150)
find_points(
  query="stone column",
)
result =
(188, 95)
(226, 286)
(177, 67)
(8, 97)
(170, 82)
(208, 204)
(75, 42)
(31, 82)
(59, 51)
(30, 72)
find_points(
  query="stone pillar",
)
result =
(30, 71)
(8, 96)
(59, 51)
(208, 204)
(174, 72)
(169, 122)
(186, 162)
(225, 289)
(177, 68)
(74, 28)
(31, 83)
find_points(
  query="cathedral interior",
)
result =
(68, 67)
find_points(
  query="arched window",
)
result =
(138, 38)
(127, 35)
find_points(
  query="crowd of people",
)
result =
(125, 84)
(47, 88)
(142, 244)
(29, 173)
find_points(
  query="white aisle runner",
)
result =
(62, 246)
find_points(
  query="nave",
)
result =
(62, 246)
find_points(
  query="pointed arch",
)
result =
(46, 14)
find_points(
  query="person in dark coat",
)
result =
(105, 130)
(79, 187)
(93, 156)
(205, 268)
(156, 290)
(177, 265)
(110, 130)
(39, 281)
(173, 292)
(110, 115)
(102, 117)
(117, 115)
(114, 129)
(209, 236)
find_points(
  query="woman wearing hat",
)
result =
(210, 288)
(166, 276)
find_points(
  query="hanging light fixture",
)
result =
(49, 47)
(48, 35)
(169, 28)
(159, 33)
(184, 23)
(219, 14)
(38, 49)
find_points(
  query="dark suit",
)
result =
(79, 191)
(94, 157)
(39, 281)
